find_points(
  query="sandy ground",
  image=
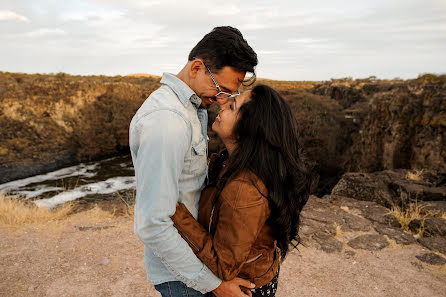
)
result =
(95, 254)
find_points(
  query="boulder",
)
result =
(396, 234)
(367, 209)
(437, 243)
(363, 186)
(354, 223)
(435, 207)
(431, 258)
(389, 187)
(369, 242)
(327, 242)
(430, 226)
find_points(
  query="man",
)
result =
(168, 142)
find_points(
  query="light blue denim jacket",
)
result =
(168, 143)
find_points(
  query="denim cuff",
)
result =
(206, 281)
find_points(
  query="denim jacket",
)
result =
(168, 143)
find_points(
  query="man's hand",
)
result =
(232, 288)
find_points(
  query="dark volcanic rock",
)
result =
(362, 186)
(433, 206)
(431, 258)
(388, 188)
(369, 210)
(432, 226)
(404, 128)
(325, 216)
(380, 214)
(318, 216)
(327, 243)
(308, 227)
(437, 243)
(401, 124)
(369, 242)
(342, 92)
(354, 223)
(398, 235)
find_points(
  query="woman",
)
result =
(249, 212)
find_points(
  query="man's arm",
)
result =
(159, 143)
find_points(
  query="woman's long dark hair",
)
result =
(267, 145)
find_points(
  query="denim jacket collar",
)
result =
(183, 91)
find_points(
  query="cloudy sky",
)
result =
(295, 40)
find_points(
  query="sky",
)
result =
(294, 40)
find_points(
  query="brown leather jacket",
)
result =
(232, 238)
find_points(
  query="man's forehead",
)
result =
(230, 79)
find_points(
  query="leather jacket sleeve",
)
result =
(241, 216)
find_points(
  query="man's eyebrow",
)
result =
(223, 88)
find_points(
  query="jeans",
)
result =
(178, 289)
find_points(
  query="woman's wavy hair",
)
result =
(268, 146)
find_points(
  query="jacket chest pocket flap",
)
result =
(198, 156)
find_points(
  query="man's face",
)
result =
(228, 78)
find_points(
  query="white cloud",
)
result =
(294, 39)
(7, 15)
(303, 40)
(46, 32)
(92, 16)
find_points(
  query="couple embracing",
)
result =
(220, 227)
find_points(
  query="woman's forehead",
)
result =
(240, 100)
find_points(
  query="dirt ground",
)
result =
(95, 254)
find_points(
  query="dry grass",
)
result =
(416, 176)
(17, 212)
(143, 75)
(414, 211)
(128, 199)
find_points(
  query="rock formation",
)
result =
(50, 121)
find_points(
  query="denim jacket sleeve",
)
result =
(159, 143)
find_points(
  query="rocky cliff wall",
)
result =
(400, 124)
(49, 121)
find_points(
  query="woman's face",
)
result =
(228, 116)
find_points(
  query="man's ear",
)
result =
(195, 67)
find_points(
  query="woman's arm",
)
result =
(241, 216)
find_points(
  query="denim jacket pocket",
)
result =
(199, 147)
(198, 157)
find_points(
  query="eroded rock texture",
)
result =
(401, 124)
(49, 121)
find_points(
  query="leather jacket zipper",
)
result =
(210, 219)
(253, 259)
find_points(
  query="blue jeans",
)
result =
(178, 289)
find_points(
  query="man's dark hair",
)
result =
(225, 46)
